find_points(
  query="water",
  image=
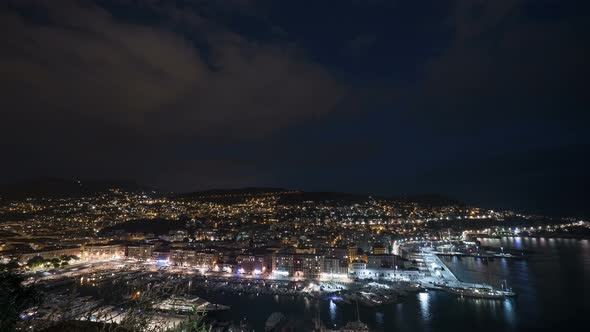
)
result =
(551, 285)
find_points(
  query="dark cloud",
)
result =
(359, 45)
(547, 180)
(82, 60)
(85, 91)
(506, 64)
(372, 96)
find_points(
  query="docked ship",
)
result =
(183, 305)
(481, 293)
(357, 326)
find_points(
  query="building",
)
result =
(140, 252)
(50, 254)
(399, 251)
(305, 250)
(283, 263)
(334, 266)
(188, 257)
(358, 265)
(383, 267)
(352, 253)
(98, 252)
(307, 265)
(252, 263)
(175, 236)
(206, 235)
(336, 252)
(162, 257)
(381, 261)
(379, 249)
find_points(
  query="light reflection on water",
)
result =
(379, 320)
(424, 305)
(517, 242)
(333, 309)
(509, 312)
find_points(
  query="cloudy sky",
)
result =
(485, 101)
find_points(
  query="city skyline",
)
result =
(227, 252)
(294, 165)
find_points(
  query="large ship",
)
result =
(482, 293)
(183, 305)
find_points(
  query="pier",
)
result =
(479, 255)
(441, 277)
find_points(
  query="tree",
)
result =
(14, 299)
(67, 258)
(195, 323)
(36, 261)
(10, 266)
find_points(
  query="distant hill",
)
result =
(431, 199)
(317, 197)
(288, 197)
(230, 196)
(49, 187)
(234, 191)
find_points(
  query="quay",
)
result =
(442, 278)
(478, 255)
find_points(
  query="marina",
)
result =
(143, 279)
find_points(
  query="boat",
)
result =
(356, 326)
(183, 305)
(507, 293)
(273, 321)
(503, 255)
(481, 293)
(208, 306)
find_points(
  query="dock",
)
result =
(441, 277)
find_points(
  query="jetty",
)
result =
(442, 278)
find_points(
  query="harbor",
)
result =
(381, 303)
(182, 293)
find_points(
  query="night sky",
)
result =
(484, 101)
